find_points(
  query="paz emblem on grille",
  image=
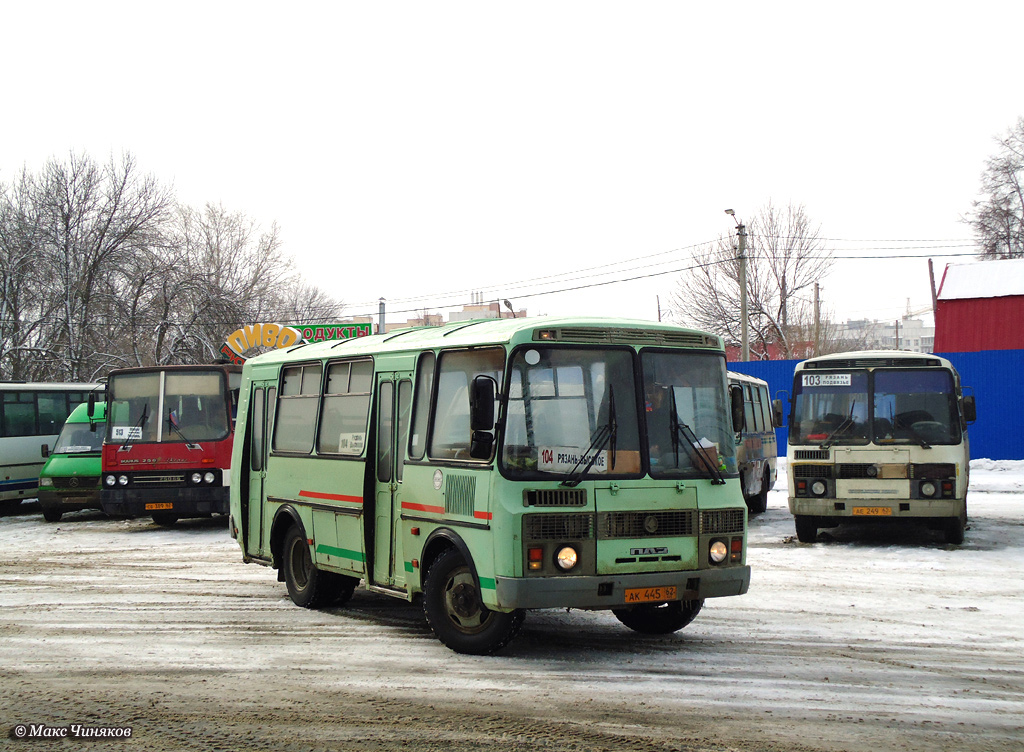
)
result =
(651, 524)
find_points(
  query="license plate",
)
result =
(873, 511)
(651, 595)
(160, 505)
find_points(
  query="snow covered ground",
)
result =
(874, 638)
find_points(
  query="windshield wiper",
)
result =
(603, 436)
(844, 425)
(920, 439)
(173, 422)
(678, 428)
(141, 424)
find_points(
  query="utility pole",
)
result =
(380, 318)
(744, 339)
(817, 320)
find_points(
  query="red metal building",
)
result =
(980, 306)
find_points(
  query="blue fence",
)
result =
(993, 376)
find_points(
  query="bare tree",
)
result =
(998, 218)
(785, 257)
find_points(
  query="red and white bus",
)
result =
(167, 449)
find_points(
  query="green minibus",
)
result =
(70, 479)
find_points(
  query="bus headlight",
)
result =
(819, 487)
(928, 489)
(718, 551)
(45, 482)
(197, 478)
(566, 558)
(122, 480)
(209, 477)
(110, 480)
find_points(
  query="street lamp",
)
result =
(741, 231)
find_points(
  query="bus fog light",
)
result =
(718, 551)
(209, 477)
(110, 480)
(928, 489)
(197, 478)
(819, 487)
(567, 558)
(122, 480)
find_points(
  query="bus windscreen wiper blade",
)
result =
(843, 426)
(141, 424)
(604, 435)
(173, 422)
(690, 440)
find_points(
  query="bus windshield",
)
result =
(191, 408)
(569, 408)
(891, 406)
(76, 438)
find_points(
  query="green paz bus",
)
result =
(495, 466)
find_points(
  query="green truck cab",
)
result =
(70, 479)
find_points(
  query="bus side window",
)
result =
(421, 408)
(749, 421)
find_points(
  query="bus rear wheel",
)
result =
(659, 618)
(953, 530)
(308, 586)
(758, 503)
(455, 613)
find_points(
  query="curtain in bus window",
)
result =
(451, 434)
(295, 426)
(20, 414)
(53, 411)
(195, 408)
(346, 408)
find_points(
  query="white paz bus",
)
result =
(879, 435)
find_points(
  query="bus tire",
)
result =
(806, 528)
(455, 613)
(953, 530)
(758, 503)
(659, 618)
(165, 519)
(308, 586)
(52, 515)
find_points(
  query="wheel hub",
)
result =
(463, 600)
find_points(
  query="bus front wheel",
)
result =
(165, 519)
(661, 618)
(953, 529)
(455, 613)
(308, 586)
(806, 528)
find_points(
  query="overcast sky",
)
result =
(419, 151)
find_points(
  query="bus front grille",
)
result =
(558, 527)
(646, 524)
(811, 454)
(812, 471)
(722, 521)
(575, 497)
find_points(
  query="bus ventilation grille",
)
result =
(459, 494)
(722, 521)
(812, 471)
(619, 335)
(874, 363)
(558, 526)
(576, 497)
(811, 454)
(646, 524)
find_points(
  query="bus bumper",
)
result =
(69, 501)
(877, 509)
(184, 502)
(597, 592)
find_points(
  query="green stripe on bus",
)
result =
(487, 583)
(343, 553)
(408, 566)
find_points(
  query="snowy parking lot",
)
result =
(873, 638)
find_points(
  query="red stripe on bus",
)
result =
(483, 515)
(422, 507)
(331, 497)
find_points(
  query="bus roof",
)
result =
(745, 378)
(81, 413)
(575, 330)
(46, 386)
(875, 359)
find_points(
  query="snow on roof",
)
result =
(982, 279)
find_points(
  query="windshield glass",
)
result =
(830, 407)
(687, 412)
(914, 407)
(193, 407)
(568, 406)
(76, 438)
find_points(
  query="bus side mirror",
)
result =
(481, 416)
(91, 410)
(970, 411)
(777, 413)
(45, 450)
(736, 398)
(481, 403)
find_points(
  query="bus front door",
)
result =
(394, 402)
(260, 417)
